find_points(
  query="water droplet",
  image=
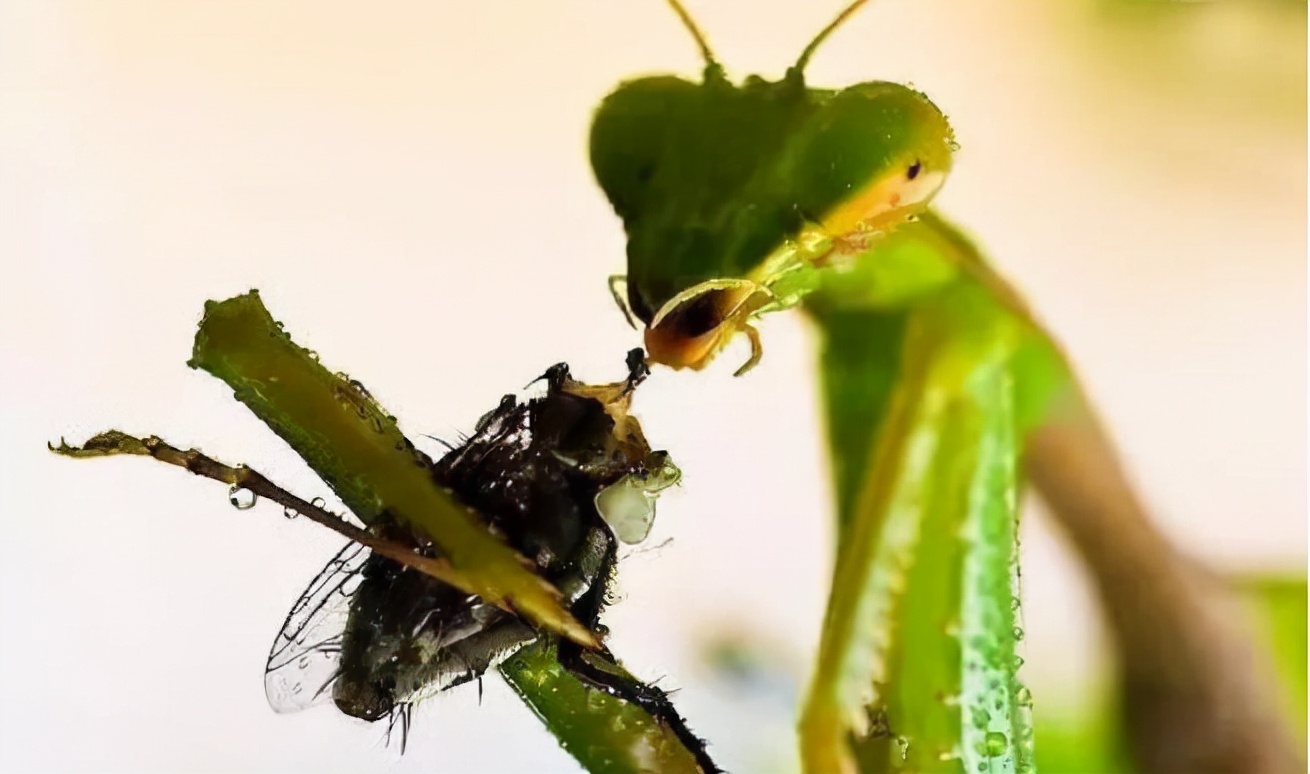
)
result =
(318, 502)
(289, 513)
(312, 355)
(1023, 697)
(1018, 633)
(903, 743)
(241, 498)
(1018, 661)
(994, 744)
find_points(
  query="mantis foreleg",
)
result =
(926, 555)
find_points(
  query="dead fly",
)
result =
(561, 478)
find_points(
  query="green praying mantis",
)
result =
(943, 394)
(741, 201)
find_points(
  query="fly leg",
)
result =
(240, 477)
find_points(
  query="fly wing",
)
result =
(306, 654)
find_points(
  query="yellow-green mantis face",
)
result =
(732, 196)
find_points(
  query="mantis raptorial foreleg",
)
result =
(926, 553)
(1194, 699)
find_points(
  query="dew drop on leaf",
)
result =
(241, 498)
(994, 744)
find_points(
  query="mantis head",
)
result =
(732, 196)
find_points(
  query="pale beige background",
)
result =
(407, 184)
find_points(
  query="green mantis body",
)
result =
(741, 200)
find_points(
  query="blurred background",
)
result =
(407, 184)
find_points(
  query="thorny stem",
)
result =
(1196, 700)
(114, 442)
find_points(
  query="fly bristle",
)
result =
(400, 715)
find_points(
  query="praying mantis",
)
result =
(943, 392)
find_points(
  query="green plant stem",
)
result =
(589, 723)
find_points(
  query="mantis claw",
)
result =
(757, 350)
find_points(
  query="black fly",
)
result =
(562, 478)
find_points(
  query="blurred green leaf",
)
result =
(1279, 603)
(1089, 738)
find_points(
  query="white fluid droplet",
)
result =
(628, 505)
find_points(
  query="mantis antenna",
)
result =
(846, 13)
(690, 24)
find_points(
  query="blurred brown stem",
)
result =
(1196, 693)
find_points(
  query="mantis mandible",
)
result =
(940, 386)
